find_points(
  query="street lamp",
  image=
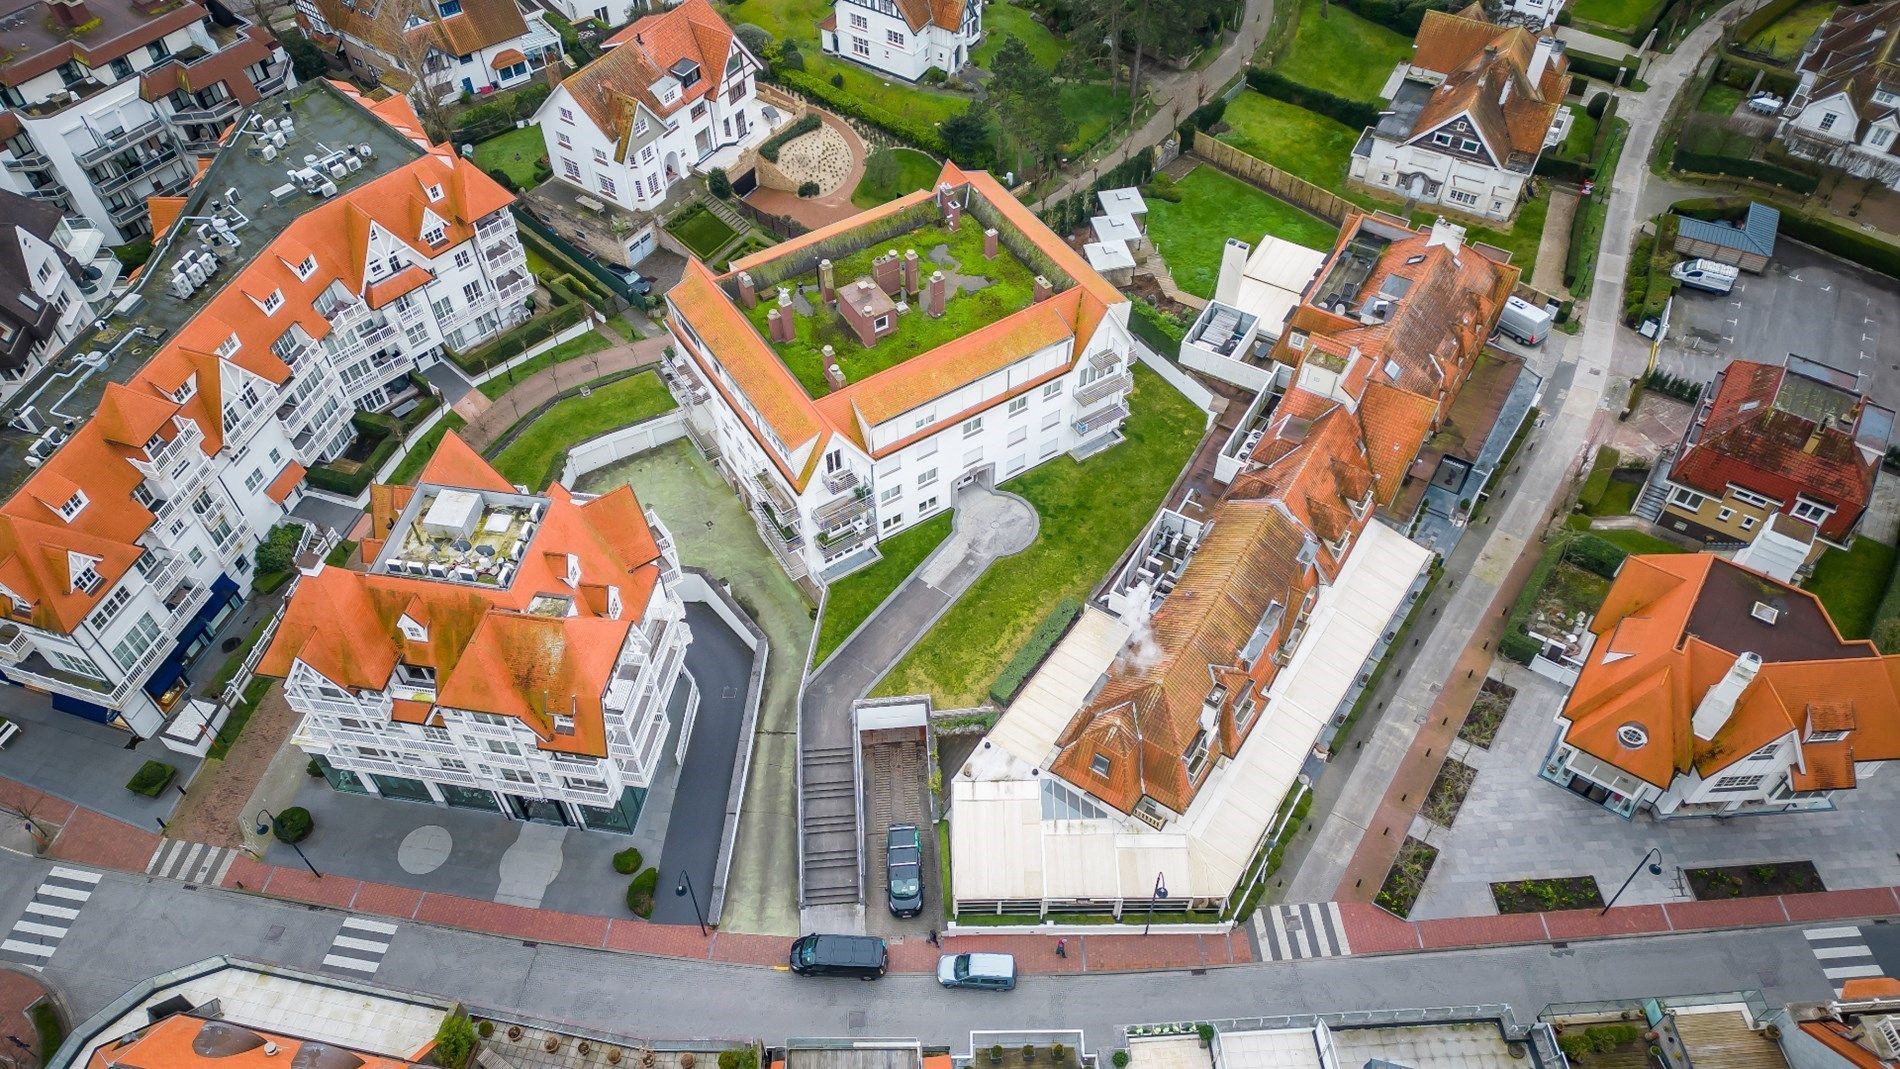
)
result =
(1161, 892)
(1655, 869)
(684, 889)
(265, 820)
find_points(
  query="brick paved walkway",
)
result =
(213, 813)
(814, 212)
(18, 990)
(489, 422)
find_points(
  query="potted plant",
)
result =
(996, 1054)
(1029, 1053)
(1120, 1059)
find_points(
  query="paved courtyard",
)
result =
(1516, 826)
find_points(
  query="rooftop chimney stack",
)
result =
(1041, 290)
(1233, 265)
(1719, 703)
(834, 375)
(888, 273)
(945, 197)
(989, 244)
(1448, 234)
(1540, 59)
(935, 294)
(71, 13)
(911, 280)
(952, 214)
(827, 283)
(748, 291)
(779, 327)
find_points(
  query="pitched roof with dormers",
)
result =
(611, 88)
(726, 336)
(386, 25)
(1486, 71)
(490, 651)
(1671, 627)
(1857, 52)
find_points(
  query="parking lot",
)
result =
(897, 791)
(1806, 303)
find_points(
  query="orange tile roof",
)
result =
(1870, 987)
(286, 481)
(490, 654)
(611, 87)
(956, 364)
(1834, 1035)
(185, 1041)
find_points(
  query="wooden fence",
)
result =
(1257, 172)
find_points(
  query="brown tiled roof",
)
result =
(33, 40)
(1854, 52)
(946, 14)
(1484, 64)
(378, 24)
(641, 54)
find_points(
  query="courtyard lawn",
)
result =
(1089, 512)
(1720, 100)
(1850, 583)
(701, 231)
(1636, 541)
(567, 350)
(535, 457)
(1002, 21)
(1009, 291)
(1623, 15)
(423, 448)
(1581, 138)
(1784, 37)
(1338, 51)
(513, 154)
(887, 91)
(915, 170)
(794, 19)
(1215, 206)
(851, 600)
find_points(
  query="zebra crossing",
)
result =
(177, 859)
(1843, 953)
(49, 916)
(360, 945)
(1300, 930)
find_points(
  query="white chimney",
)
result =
(1233, 264)
(1504, 93)
(1719, 703)
(1547, 46)
(1450, 235)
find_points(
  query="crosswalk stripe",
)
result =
(69, 893)
(1829, 953)
(1848, 972)
(1338, 926)
(74, 874)
(356, 964)
(1301, 931)
(191, 858)
(45, 910)
(38, 949)
(35, 928)
(1848, 932)
(364, 924)
(348, 943)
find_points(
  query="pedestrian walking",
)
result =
(934, 941)
(1062, 948)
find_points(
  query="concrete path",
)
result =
(1595, 44)
(530, 865)
(1361, 834)
(987, 525)
(489, 420)
(1554, 246)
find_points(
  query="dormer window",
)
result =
(435, 193)
(273, 302)
(640, 126)
(448, 8)
(85, 576)
(228, 346)
(187, 391)
(434, 235)
(306, 268)
(563, 724)
(1441, 139)
(73, 506)
(1100, 764)
(1826, 736)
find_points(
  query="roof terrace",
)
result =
(42, 414)
(455, 535)
(894, 321)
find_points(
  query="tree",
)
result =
(307, 61)
(881, 169)
(969, 137)
(418, 53)
(719, 184)
(1022, 91)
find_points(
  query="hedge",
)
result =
(810, 122)
(1157, 329)
(1736, 167)
(1824, 234)
(520, 339)
(923, 135)
(1603, 70)
(1405, 16)
(1519, 647)
(640, 893)
(337, 478)
(1598, 482)
(151, 779)
(1357, 114)
(1759, 19)
(1740, 72)
(1031, 655)
(627, 862)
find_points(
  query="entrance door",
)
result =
(538, 810)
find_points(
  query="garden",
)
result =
(1754, 881)
(1564, 590)
(1335, 50)
(1782, 39)
(1208, 206)
(1487, 713)
(701, 231)
(1851, 582)
(535, 454)
(1448, 792)
(1089, 513)
(851, 600)
(1406, 879)
(1548, 894)
(1612, 487)
(517, 154)
(890, 173)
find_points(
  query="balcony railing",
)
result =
(14, 645)
(782, 502)
(1101, 420)
(1102, 389)
(843, 541)
(839, 481)
(55, 196)
(117, 140)
(843, 509)
(207, 113)
(145, 167)
(32, 161)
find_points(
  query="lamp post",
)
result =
(685, 889)
(265, 820)
(1655, 869)
(1161, 892)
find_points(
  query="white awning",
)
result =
(1277, 272)
(1108, 255)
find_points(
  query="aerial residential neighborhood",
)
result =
(1235, 533)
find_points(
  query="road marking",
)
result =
(1848, 972)
(1848, 931)
(1827, 953)
(1842, 953)
(70, 893)
(367, 925)
(341, 962)
(178, 859)
(36, 949)
(34, 938)
(80, 875)
(45, 910)
(1301, 931)
(353, 951)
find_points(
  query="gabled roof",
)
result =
(1487, 76)
(944, 14)
(645, 52)
(1854, 52)
(383, 24)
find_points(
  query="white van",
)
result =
(1705, 275)
(1524, 321)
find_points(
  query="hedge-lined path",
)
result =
(489, 420)
(1548, 274)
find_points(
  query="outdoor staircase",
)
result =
(828, 811)
(1649, 504)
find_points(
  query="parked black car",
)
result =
(903, 864)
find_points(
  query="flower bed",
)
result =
(1487, 713)
(1755, 881)
(1448, 792)
(1542, 896)
(1407, 878)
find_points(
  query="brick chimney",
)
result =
(911, 281)
(748, 292)
(887, 273)
(935, 294)
(944, 198)
(1041, 290)
(989, 244)
(827, 282)
(71, 13)
(834, 375)
(776, 326)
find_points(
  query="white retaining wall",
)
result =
(614, 446)
(1177, 378)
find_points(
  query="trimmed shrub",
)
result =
(1357, 114)
(1031, 655)
(1598, 104)
(277, 552)
(454, 1041)
(837, 80)
(807, 189)
(485, 1028)
(640, 893)
(921, 134)
(1738, 72)
(1120, 1059)
(1519, 646)
(770, 148)
(1593, 554)
(293, 825)
(1736, 167)
(753, 37)
(1157, 329)
(1205, 116)
(1603, 70)
(627, 862)
(151, 779)
(504, 180)
(718, 183)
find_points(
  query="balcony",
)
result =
(1101, 421)
(55, 196)
(1102, 389)
(839, 481)
(1105, 359)
(141, 169)
(31, 161)
(203, 114)
(781, 501)
(14, 645)
(503, 252)
(843, 509)
(837, 543)
(117, 140)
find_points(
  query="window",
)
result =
(502, 746)
(882, 323)
(1879, 137)
(892, 522)
(1459, 196)
(515, 775)
(600, 155)
(1725, 514)
(129, 649)
(1748, 523)
(1018, 405)
(254, 480)
(450, 764)
(1812, 511)
(860, 46)
(307, 268)
(159, 51)
(1053, 389)
(927, 478)
(1051, 418)
(1752, 499)
(1633, 735)
(1733, 784)
(463, 258)
(1100, 764)
(80, 665)
(567, 116)
(927, 506)
(607, 186)
(1019, 436)
(859, 22)
(1826, 736)
(110, 606)
(1441, 139)
(472, 291)
(563, 140)
(891, 494)
(449, 7)
(1468, 145)
(435, 235)
(1296, 340)
(570, 169)
(1686, 499)
(563, 724)
(1827, 121)
(894, 37)
(973, 427)
(1197, 754)
(73, 506)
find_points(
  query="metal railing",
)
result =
(1102, 389)
(116, 140)
(31, 161)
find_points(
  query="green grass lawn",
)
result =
(1784, 37)
(1090, 512)
(851, 600)
(1009, 291)
(795, 19)
(915, 171)
(424, 448)
(1003, 21)
(1850, 583)
(1342, 53)
(1720, 100)
(1581, 138)
(1095, 107)
(535, 457)
(889, 92)
(513, 153)
(567, 350)
(701, 231)
(1636, 541)
(1623, 15)
(1214, 207)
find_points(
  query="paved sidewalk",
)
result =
(488, 422)
(18, 990)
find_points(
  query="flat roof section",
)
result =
(66, 392)
(1725, 615)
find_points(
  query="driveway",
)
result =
(1807, 303)
(1515, 826)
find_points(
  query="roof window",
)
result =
(1100, 764)
(447, 8)
(1632, 735)
(73, 506)
(435, 193)
(1764, 612)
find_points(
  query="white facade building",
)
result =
(463, 47)
(95, 133)
(1845, 111)
(1233, 337)
(55, 277)
(906, 38)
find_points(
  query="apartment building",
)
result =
(1845, 111)
(846, 408)
(500, 651)
(446, 48)
(129, 541)
(55, 276)
(106, 104)
(673, 95)
(1711, 689)
(907, 38)
(1470, 112)
(1797, 439)
(1151, 751)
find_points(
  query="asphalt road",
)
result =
(135, 927)
(1806, 303)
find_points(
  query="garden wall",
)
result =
(1177, 378)
(615, 446)
(1254, 171)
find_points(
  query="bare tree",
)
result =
(271, 15)
(415, 44)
